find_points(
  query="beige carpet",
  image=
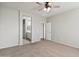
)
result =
(43, 48)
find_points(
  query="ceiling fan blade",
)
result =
(40, 3)
(38, 8)
(41, 9)
(56, 6)
(50, 3)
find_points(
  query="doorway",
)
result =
(48, 31)
(26, 30)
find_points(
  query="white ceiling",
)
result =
(33, 7)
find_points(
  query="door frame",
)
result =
(45, 31)
(21, 17)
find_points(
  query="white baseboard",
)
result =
(8, 46)
(65, 43)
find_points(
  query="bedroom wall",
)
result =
(65, 28)
(8, 27)
(37, 30)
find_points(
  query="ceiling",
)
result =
(33, 7)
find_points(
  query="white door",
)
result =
(48, 31)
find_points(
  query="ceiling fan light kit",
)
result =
(47, 6)
(47, 9)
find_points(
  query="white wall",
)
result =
(8, 27)
(37, 29)
(65, 28)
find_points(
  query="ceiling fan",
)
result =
(47, 6)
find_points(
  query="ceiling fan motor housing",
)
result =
(47, 5)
